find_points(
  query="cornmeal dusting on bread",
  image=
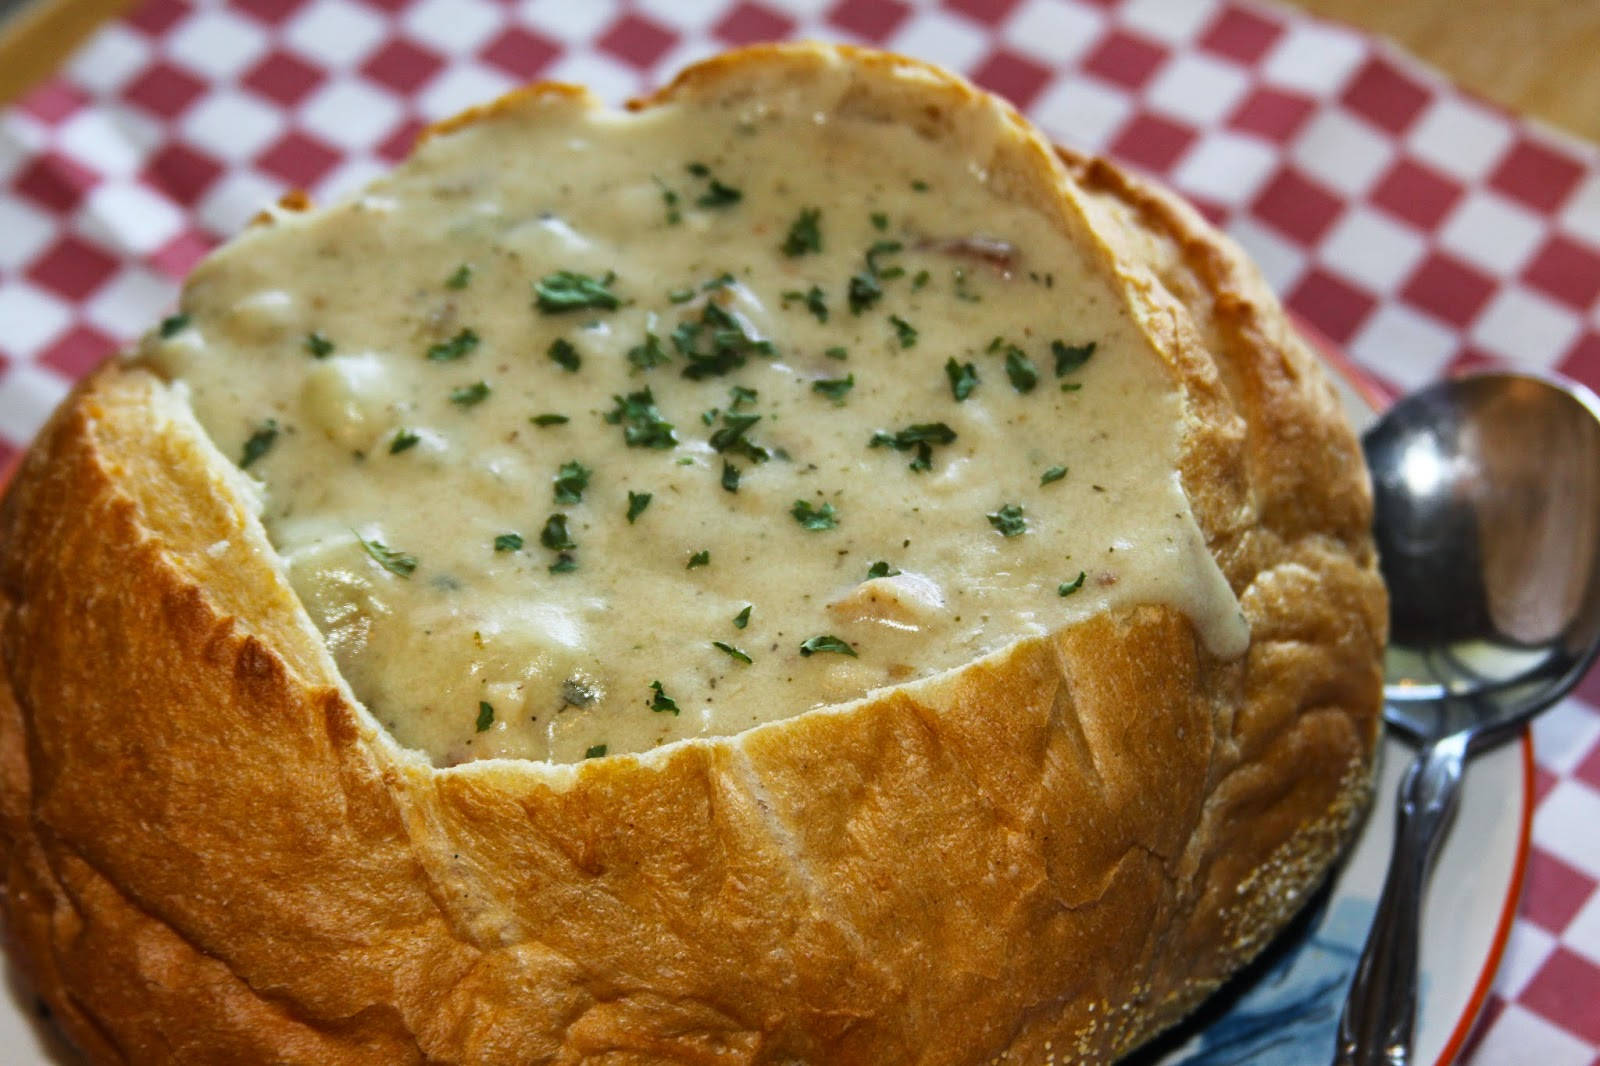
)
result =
(584, 433)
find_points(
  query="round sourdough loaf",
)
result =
(213, 853)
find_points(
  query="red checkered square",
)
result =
(397, 145)
(637, 40)
(1566, 270)
(79, 351)
(1416, 194)
(988, 12)
(1331, 304)
(271, 12)
(1582, 363)
(8, 452)
(402, 65)
(1537, 175)
(521, 53)
(181, 173)
(283, 77)
(72, 268)
(1297, 206)
(1448, 289)
(1015, 77)
(1588, 771)
(1241, 34)
(1543, 780)
(156, 17)
(1125, 59)
(52, 101)
(1152, 142)
(1563, 991)
(389, 5)
(1273, 113)
(298, 158)
(178, 256)
(747, 23)
(1554, 892)
(164, 90)
(1385, 95)
(56, 182)
(873, 20)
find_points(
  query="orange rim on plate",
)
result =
(1379, 397)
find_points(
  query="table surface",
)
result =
(1531, 56)
(1422, 233)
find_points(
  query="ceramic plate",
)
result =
(1284, 1009)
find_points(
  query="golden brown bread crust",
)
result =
(211, 854)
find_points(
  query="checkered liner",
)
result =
(1419, 228)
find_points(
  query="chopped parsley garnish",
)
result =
(549, 420)
(719, 195)
(642, 425)
(1008, 520)
(963, 378)
(554, 535)
(883, 248)
(835, 388)
(814, 298)
(1020, 369)
(565, 354)
(1070, 357)
(864, 291)
(920, 437)
(485, 716)
(594, 751)
(805, 235)
(735, 653)
(919, 185)
(699, 558)
(1067, 588)
(959, 276)
(454, 348)
(565, 563)
(825, 642)
(318, 345)
(568, 291)
(396, 562)
(904, 331)
(1055, 473)
(920, 280)
(730, 436)
(814, 518)
(470, 395)
(650, 353)
(716, 344)
(880, 221)
(741, 397)
(461, 278)
(508, 542)
(173, 325)
(570, 481)
(721, 281)
(403, 439)
(730, 476)
(1071, 386)
(670, 200)
(637, 502)
(660, 701)
(680, 296)
(742, 619)
(881, 569)
(836, 352)
(260, 443)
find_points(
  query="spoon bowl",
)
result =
(1487, 520)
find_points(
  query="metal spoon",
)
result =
(1487, 520)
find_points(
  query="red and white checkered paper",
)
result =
(1417, 227)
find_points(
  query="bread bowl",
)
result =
(1041, 840)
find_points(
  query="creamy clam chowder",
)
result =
(585, 432)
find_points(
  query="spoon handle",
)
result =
(1379, 1015)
